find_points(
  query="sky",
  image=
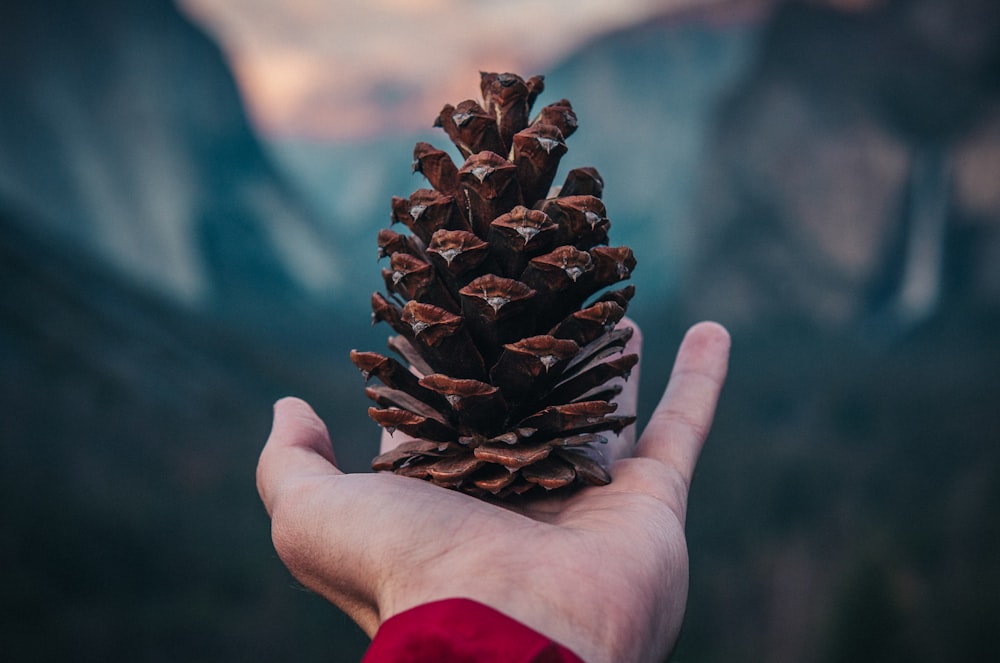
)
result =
(340, 69)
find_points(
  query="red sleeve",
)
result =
(461, 631)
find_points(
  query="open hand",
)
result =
(603, 570)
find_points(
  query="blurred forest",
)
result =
(825, 180)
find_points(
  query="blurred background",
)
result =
(189, 198)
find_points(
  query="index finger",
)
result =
(678, 427)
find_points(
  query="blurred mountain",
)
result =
(850, 182)
(848, 234)
(161, 287)
(122, 133)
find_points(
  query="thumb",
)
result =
(297, 448)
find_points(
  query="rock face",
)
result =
(159, 291)
(847, 185)
(122, 135)
(850, 239)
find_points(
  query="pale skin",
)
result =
(602, 570)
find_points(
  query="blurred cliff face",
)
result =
(854, 181)
(122, 135)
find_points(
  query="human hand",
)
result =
(602, 570)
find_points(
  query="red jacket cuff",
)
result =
(461, 631)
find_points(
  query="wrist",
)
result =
(598, 631)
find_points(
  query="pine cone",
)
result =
(489, 297)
